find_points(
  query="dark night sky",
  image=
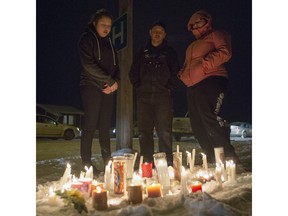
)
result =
(60, 23)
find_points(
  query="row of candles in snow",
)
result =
(120, 177)
(141, 184)
(222, 173)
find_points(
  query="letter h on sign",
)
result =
(119, 32)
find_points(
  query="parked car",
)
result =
(242, 129)
(181, 127)
(50, 128)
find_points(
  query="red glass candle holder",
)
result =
(196, 186)
(147, 170)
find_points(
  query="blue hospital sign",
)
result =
(119, 32)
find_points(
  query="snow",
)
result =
(233, 198)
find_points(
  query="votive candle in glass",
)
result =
(154, 190)
(135, 194)
(147, 170)
(99, 198)
(196, 186)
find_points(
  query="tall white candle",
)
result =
(232, 170)
(184, 181)
(108, 176)
(192, 162)
(188, 157)
(218, 174)
(204, 159)
(223, 171)
(134, 160)
(163, 175)
(140, 165)
(89, 172)
(66, 176)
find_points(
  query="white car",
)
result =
(50, 128)
(241, 129)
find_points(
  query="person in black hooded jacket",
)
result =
(98, 80)
(153, 74)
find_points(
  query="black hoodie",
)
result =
(154, 69)
(98, 58)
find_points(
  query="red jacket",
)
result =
(205, 56)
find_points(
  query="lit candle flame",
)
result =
(98, 189)
(74, 178)
(51, 191)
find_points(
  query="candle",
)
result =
(163, 175)
(134, 160)
(66, 176)
(231, 170)
(196, 186)
(93, 186)
(219, 154)
(119, 169)
(147, 170)
(162, 171)
(154, 190)
(218, 173)
(140, 165)
(184, 181)
(135, 194)
(204, 159)
(129, 165)
(52, 197)
(85, 183)
(107, 176)
(223, 171)
(171, 172)
(99, 198)
(188, 157)
(192, 162)
(137, 180)
(177, 164)
(89, 172)
(67, 170)
(76, 185)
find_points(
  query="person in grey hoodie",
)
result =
(98, 81)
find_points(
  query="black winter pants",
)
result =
(155, 111)
(204, 103)
(98, 108)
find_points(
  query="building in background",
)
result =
(64, 114)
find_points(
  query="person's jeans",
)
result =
(98, 109)
(155, 111)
